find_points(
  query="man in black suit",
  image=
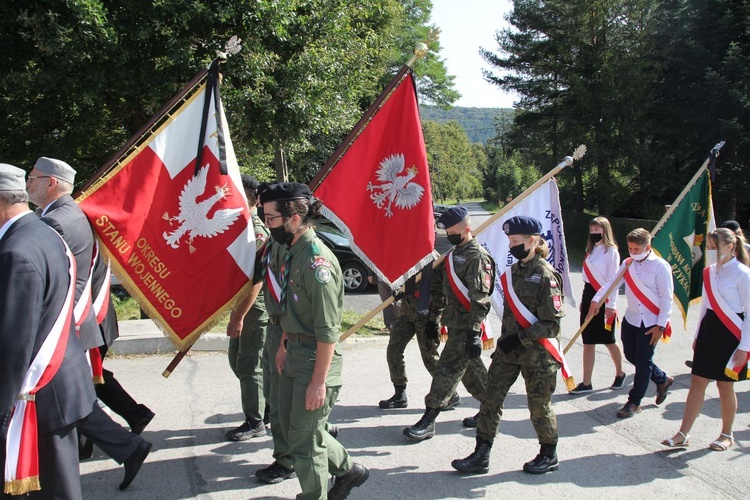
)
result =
(36, 308)
(49, 186)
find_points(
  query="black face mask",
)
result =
(519, 252)
(595, 237)
(455, 239)
(281, 236)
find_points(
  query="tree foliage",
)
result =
(455, 163)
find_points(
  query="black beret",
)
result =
(283, 191)
(451, 217)
(522, 224)
(249, 182)
(732, 225)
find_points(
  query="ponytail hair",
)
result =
(541, 248)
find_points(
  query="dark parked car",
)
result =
(354, 271)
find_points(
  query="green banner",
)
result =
(682, 242)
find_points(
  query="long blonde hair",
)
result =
(727, 237)
(541, 248)
(607, 236)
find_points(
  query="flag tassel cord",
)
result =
(579, 152)
(656, 229)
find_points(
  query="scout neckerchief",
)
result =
(462, 294)
(645, 296)
(730, 319)
(21, 446)
(596, 280)
(526, 318)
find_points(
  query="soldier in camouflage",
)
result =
(247, 335)
(460, 360)
(538, 288)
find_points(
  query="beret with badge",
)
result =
(451, 217)
(284, 191)
(522, 224)
(57, 169)
(12, 178)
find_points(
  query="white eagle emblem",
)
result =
(395, 188)
(193, 217)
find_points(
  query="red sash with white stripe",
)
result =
(645, 297)
(596, 280)
(526, 318)
(462, 294)
(730, 319)
(274, 288)
(21, 447)
(81, 311)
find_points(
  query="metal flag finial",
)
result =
(422, 48)
(232, 46)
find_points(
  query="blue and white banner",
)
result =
(544, 205)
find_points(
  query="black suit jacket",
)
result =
(33, 285)
(68, 220)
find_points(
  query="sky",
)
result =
(466, 25)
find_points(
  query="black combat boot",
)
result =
(478, 462)
(425, 428)
(546, 461)
(471, 422)
(398, 400)
(454, 401)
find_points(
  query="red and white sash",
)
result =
(101, 301)
(21, 447)
(730, 319)
(81, 311)
(462, 294)
(526, 318)
(597, 280)
(274, 288)
(645, 297)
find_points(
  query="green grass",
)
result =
(373, 327)
(126, 308)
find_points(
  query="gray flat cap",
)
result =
(56, 168)
(12, 178)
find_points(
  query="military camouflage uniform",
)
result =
(539, 288)
(314, 304)
(408, 323)
(245, 351)
(473, 266)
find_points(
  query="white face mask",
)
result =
(639, 257)
(712, 256)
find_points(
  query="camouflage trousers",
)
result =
(406, 326)
(539, 371)
(454, 367)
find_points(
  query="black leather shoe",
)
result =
(134, 462)
(142, 423)
(662, 390)
(85, 448)
(246, 431)
(628, 410)
(343, 485)
(471, 422)
(545, 462)
(274, 473)
(454, 401)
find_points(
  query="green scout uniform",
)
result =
(407, 324)
(314, 299)
(272, 264)
(473, 266)
(245, 358)
(539, 288)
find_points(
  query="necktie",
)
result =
(285, 279)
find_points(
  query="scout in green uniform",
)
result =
(311, 302)
(247, 334)
(539, 288)
(460, 359)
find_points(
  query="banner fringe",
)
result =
(22, 486)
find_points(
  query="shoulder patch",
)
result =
(260, 236)
(557, 302)
(320, 261)
(535, 278)
(323, 275)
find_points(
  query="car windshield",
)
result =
(333, 234)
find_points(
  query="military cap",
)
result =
(56, 168)
(12, 178)
(451, 217)
(283, 191)
(249, 182)
(522, 224)
(732, 225)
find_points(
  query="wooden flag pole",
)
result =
(577, 154)
(655, 230)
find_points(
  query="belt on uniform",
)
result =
(274, 320)
(301, 337)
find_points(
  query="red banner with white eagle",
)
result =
(173, 218)
(378, 191)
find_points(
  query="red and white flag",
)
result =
(378, 192)
(173, 218)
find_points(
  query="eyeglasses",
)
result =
(38, 177)
(271, 218)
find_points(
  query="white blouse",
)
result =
(604, 260)
(733, 284)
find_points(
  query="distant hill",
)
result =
(479, 123)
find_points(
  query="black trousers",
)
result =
(112, 438)
(117, 398)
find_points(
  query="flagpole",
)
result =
(655, 230)
(577, 154)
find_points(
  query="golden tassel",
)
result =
(488, 344)
(22, 486)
